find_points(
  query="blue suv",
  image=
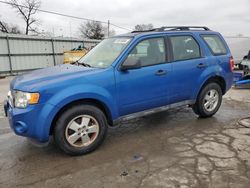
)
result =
(123, 77)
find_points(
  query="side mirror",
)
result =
(131, 63)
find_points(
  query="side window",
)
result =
(215, 44)
(184, 48)
(149, 52)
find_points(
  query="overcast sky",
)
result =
(230, 17)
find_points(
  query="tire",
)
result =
(80, 129)
(208, 101)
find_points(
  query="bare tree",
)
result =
(240, 35)
(92, 30)
(27, 9)
(143, 27)
(3, 27)
(14, 29)
(6, 28)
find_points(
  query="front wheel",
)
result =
(208, 101)
(80, 129)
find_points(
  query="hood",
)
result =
(34, 79)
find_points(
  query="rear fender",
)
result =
(208, 73)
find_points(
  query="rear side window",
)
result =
(184, 48)
(215, 44)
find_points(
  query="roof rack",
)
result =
(175, 28)
(150, 30)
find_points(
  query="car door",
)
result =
(144, 87)
(188, 65)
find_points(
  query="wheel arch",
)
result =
(88, 101)
(214, 79)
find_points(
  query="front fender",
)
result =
(86, 91)
(74, 93)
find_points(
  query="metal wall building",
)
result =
(19, 53)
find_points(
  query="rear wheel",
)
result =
(80, 129)
(208, 101)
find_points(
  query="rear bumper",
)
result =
(33, 122)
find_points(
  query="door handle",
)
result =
(160, 72)
(201, 65)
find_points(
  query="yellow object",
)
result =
(73, 56)
(34, 98)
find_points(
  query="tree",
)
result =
(92, 30)
(6, 28)
(3, 27)
(27, 9)
(143, 27)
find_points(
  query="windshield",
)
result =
(105, 53)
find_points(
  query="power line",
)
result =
(121, 27)
(66, 15)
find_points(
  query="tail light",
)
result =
(231, 64)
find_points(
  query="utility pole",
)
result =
(108, 27)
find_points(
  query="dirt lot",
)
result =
(170, 149)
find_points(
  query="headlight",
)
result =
(22, 99)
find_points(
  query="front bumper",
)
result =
(33, 122)
(19, 127)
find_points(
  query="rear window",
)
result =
(215, 44)
(185, 48)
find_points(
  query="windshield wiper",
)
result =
(81, 63)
